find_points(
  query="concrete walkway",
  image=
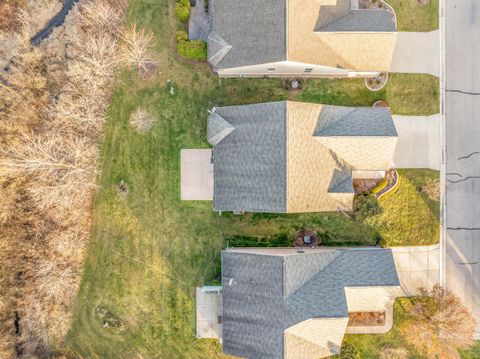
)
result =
(417, 52)
(418, 142)
(417, 266)
(199, 22)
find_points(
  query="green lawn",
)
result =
(412, 16)
(149, 251)
(408, 217)
(370, 345)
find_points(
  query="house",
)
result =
(296, 157)
(286, 303)
(300, 38)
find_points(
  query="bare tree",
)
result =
(137, 48)
(438, 324)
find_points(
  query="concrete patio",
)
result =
(209, 312)
(196, 175)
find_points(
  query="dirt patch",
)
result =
(141, 120)
(122, 190)
(364, 319)
(109, 320)
(149, 71)
(423, 2)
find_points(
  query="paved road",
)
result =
(462, 110)
(417, 52)
(418, 142)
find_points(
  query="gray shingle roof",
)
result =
(355, 121)
(362, 21)
(249, 164)
(256, 31)
(217, 128)
(261, 298)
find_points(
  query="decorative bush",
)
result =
(182, 9)
(194, 50)
(348, 351)
(366, 204)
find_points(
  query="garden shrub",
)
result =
(194, 50)
(366, 204)
(348, 351)
(182, 9)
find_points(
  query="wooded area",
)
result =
(53, 100)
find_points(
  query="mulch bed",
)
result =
(392, 178)
(364, 185)
(363, 319)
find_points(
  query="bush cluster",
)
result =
(194, 50)
(182, 9)
(366, 204)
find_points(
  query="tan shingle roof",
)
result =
(352, 49)
(295, 157)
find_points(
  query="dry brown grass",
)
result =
(141, 120)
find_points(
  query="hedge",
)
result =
(182, 9)
(194, 50)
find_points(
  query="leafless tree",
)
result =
(438, 324)
(137, 48)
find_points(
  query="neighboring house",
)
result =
(296, 157)
(286, 303)
(299, 38)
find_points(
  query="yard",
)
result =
(370, 345)
(410, 215)
(148, 249)
(413, 16)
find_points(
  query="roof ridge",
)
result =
(320, 271)
(340, 119)
(218, 128)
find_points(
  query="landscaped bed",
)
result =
(369, 346)
(410, 215)
(148, 249)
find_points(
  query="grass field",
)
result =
(148, 251)
(408, 217)
(412, 16)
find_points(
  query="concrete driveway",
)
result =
(417, 266)
(462, 109)
(417, 52)
(196, 175)
(418, 143)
